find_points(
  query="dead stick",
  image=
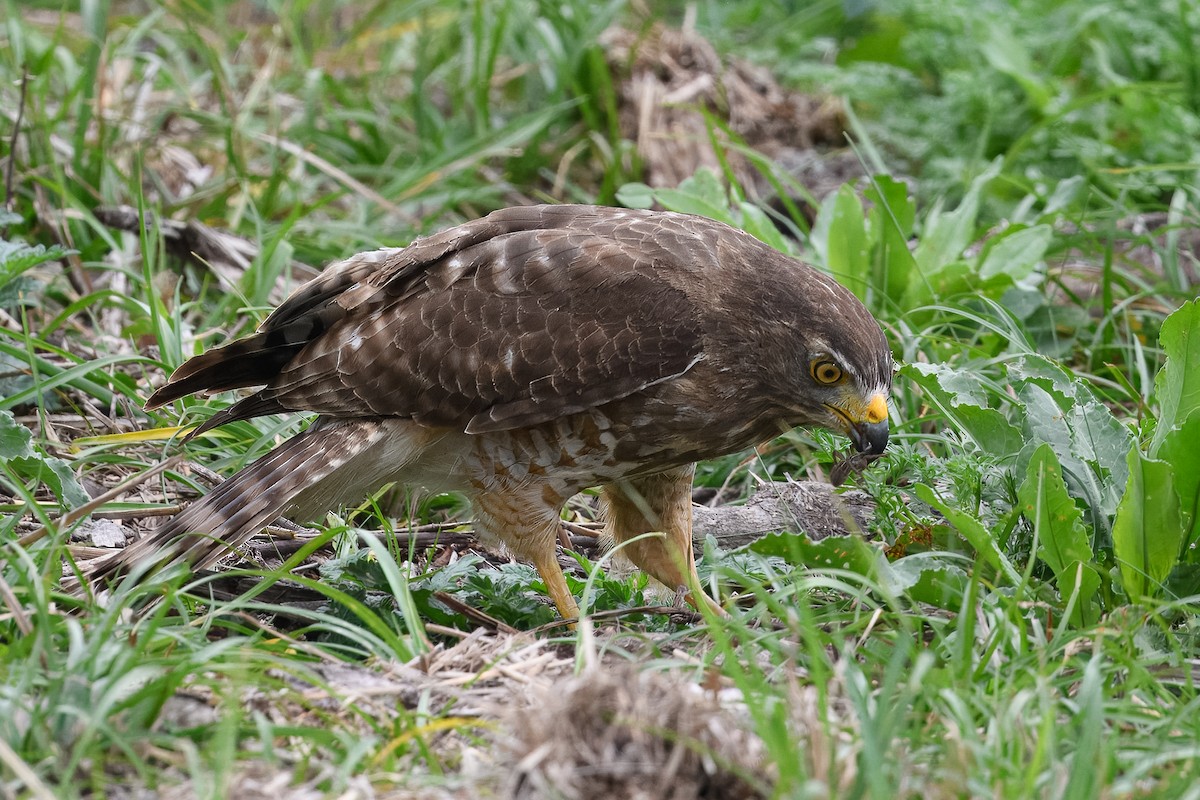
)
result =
(139, 513)
(474, 614)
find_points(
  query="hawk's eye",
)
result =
(825, 372)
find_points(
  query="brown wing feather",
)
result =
(521, 317)
(254, 360)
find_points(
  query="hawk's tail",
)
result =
(316, 468)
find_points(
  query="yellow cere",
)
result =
(877, 410)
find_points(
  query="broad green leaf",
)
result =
(761, 227)
(1016, 253)
(892, 217)
(973, 531)
(932, 284)
(926, 578)
(1070, 415)
(1101, 440)
(1051, 373)
(703, 194)
(892, 197)
(1023, 302)
(686, 203)
(62, 481)
(989, 429)
(1083, 581)
(636, 195)
(705, 185)
(952, 386)
(819, 237)
(840, 239)
(18, 257)
(1009, 54)
(834, 552)
(961, 397)
(1047, 419)
(946, 234)
(1177, 387)
(14, 437)
(1054, 515)
(700, 194)
(1181, 449)
(1062, 541)
(1064, 196)
(1147, 532)
(16, 448)
(1184, 580)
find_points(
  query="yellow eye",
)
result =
(825, 372)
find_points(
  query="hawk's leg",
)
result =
(657, 503)
(526, 519)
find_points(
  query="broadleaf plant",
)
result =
(1156, 522)
(1058, 529)
(1093, 498)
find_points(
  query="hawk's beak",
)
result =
(866, 425)
(870, 437)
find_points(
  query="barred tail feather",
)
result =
(227, 517)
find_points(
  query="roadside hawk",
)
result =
(526, 356)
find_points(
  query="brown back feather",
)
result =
(525, 315)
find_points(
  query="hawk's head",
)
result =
(824, 359)
(847, 388)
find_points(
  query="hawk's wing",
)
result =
(521, 317)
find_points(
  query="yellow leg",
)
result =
(547, 566)
(525, 519)
(658, 503)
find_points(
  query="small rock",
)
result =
(100, 533)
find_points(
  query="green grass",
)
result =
(1033, 630)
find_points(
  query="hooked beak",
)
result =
(866, 425)
(869, 437)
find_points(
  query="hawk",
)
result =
(526, 356)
